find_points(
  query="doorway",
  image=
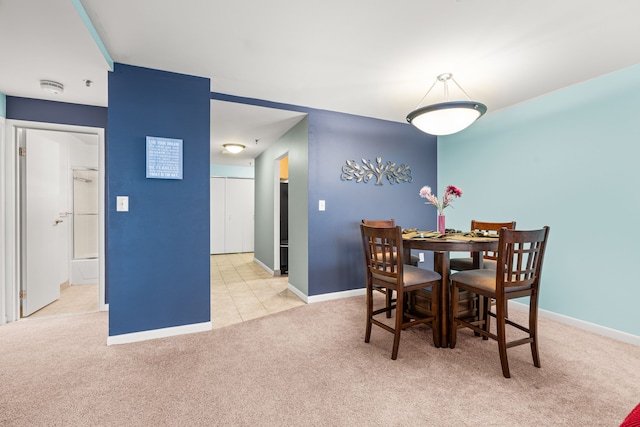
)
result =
(284, 215)
(69, 149)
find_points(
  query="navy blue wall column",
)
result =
(157, 261)
(39, 110)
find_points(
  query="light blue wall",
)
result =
(568, 160)
(3, 105)
(229, 171)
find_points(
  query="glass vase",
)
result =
(441, 228)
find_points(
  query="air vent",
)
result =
(51, 86)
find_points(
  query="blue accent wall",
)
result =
(568, 160)
(38, 110)
(335, 252)
(157, 253)
(336, 261)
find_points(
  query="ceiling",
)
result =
(367, 57)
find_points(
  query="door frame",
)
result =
(10, 282)
(276, 213)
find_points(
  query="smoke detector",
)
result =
(51, 86)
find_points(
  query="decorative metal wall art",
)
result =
(395, 175)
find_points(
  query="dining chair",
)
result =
(389, 223)
(414, 259)
(488, 257)
(517, 274)
(385, 268)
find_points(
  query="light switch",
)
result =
(321, 205)
(122, 203)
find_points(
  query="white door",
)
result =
(44, 232)
(239, 212)
(249, 216)
(217, 205)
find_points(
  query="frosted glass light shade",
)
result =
(447, 117)
(233, 148)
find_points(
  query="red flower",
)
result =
(449, 194)
(454, 191)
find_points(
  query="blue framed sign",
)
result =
(164, 158)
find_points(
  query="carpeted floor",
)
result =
(308, 366)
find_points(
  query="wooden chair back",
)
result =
(380, 222)
(491, 227)
(520, 257)
(383, 255)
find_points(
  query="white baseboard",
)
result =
(580, 324)
(159, 333)
(336, 295)
(296, 291)
(264, 267)
(325, 297)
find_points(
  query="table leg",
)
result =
(441, 265)
(478, 260)
(406, 254)
(478, 263)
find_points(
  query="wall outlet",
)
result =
(321, 205)
(421, 256)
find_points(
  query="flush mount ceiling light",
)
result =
(446, 117)
(233, 148)
(51, 86)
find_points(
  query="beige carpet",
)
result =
(307, 366)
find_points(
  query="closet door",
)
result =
(218, 222)
(239, 216)
(249, 216)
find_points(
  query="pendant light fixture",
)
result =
(233, 148)
(446, 117)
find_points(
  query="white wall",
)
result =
(3, 240)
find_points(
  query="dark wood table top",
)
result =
(434, 241)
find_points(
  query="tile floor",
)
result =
(240, 290)
(73, 300)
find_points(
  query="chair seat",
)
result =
(412, 276)
(482, 280)
(463, 264)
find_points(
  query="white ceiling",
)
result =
(374, 58)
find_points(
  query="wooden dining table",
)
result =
(442, 246)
